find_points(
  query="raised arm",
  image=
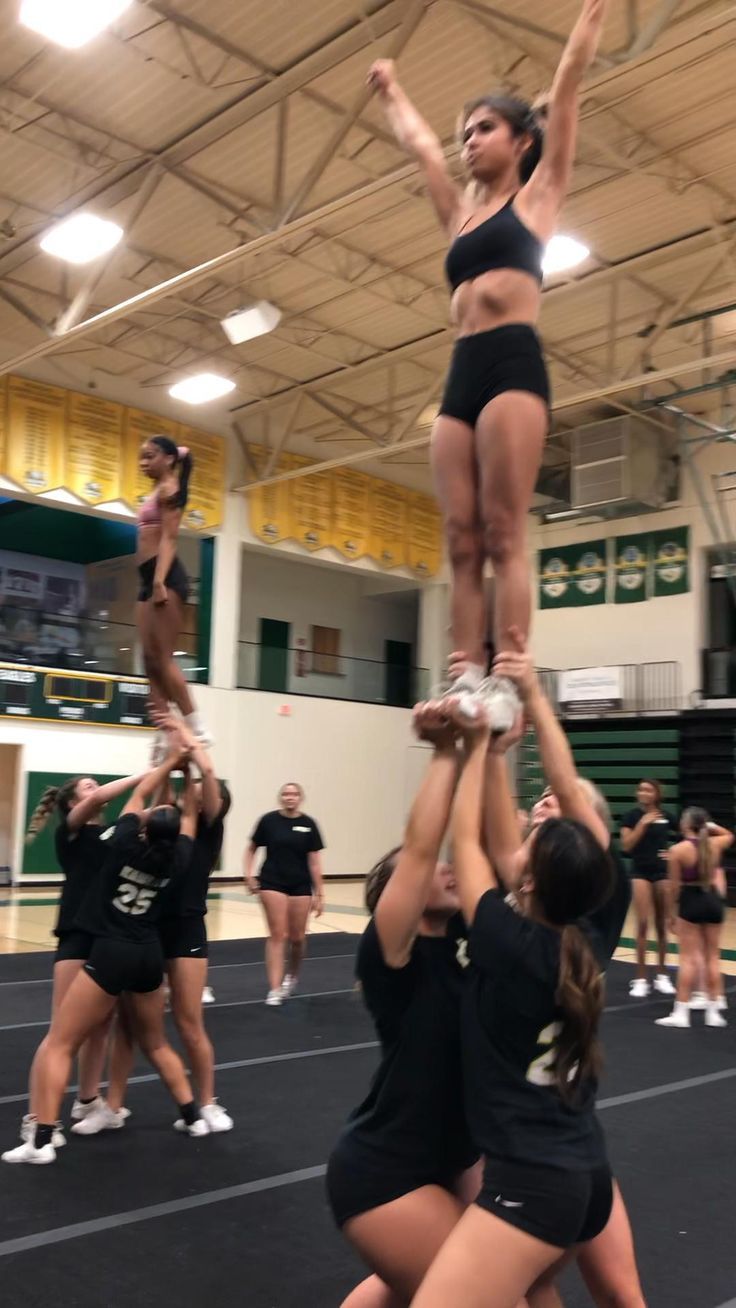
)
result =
(473, 870)
(503, 835)
(721, 836)
(400, 908)
(556, 757)
(551, 178)
(190, 806)
(150, 782)
(91, 805)
(417, 138)
(211, 794)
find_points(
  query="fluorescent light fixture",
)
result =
(562, 514)
(255, 320)
(202, 388)
(82, 238)
(70, 23)
(563, 253)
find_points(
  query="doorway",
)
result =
(273, 660)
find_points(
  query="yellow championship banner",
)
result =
(310, 507)
(93, 448)
(388, 522)
(206, 488)
(36, 418)
(424, 535)
(139, 427)
(351, 512)
(268, 506)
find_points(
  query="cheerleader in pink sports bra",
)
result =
(164, 584)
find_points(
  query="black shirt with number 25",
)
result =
(126, 900)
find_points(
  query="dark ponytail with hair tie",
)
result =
(183, 464)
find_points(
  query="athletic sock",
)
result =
(44, 1135)
(189, 1112)
(85, 1102)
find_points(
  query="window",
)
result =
(326, 651)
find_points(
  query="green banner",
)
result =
(631, 567)
(572, 575)
(671, 561)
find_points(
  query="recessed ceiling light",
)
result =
(70, 23)
(198, 390)
(82, 238)
(255, 320)
(563, 253)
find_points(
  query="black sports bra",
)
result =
(502, 241)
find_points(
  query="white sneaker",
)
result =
(80, 1110)
(680, 1016)
(713, 1017)
(159, 749)
(199, 1127)
(288, 985)
(217, 1118)
(274, 998)
(28, 1153)
(208, 995)
(28, 1131)
(502, 703)
(698, 1001)
(663, 984)
(102, 1119)
(721, 1003)
(639, 989)
(205, 738)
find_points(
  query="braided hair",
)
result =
(54, 797)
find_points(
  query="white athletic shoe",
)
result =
(713, 1017)
(102, 1119)
(721, 1003)
(663, 984)
(159, 749)
(288, 985)
(28, 1131)
(208, 995)
(698, 1001)
(501, 700)
(680, 1016)
(28, 1153)
(217, 1118)
(199, 1126)
(274, 998)
(639, 989)
(80, 1110)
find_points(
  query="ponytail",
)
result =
(379, 877)
(697, 820)
(159, 858)
(60, 797)
(580, 996)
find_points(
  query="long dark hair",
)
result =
(573, 875)
(183, 464)
(522, 118)
(62, 798)
(162, 828)
(697, 820)
(379, 877)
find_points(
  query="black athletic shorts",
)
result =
(701, 907)
(360, 1179)
(183, 937)
(176, 580)
(561, 1207)
(488, 364)
(118, 965)
(73, 945)
(651, 872)
(293, 889)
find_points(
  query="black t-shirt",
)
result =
(80, 855)
(189, 898)
(288, 842)
(126, 901)
(603, 928)
(510, 1017)
(657, 837)
(413, 1114)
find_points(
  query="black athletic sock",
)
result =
(88, 1101)
(189, 1112)
(44, 1135)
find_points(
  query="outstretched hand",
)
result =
(517, 664)
(382, 76)
(432, 723)
(502, 744)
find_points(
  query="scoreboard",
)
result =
(55, 695)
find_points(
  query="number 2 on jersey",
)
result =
(541, 1071)
(135, 900)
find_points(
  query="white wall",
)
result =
(352, 759)
(306, 594)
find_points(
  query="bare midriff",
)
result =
(149, 540)
(495, 299)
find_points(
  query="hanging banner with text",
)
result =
(631, 567)
(584, 689)
(572, 576)
(53, 439)
(670, 561)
